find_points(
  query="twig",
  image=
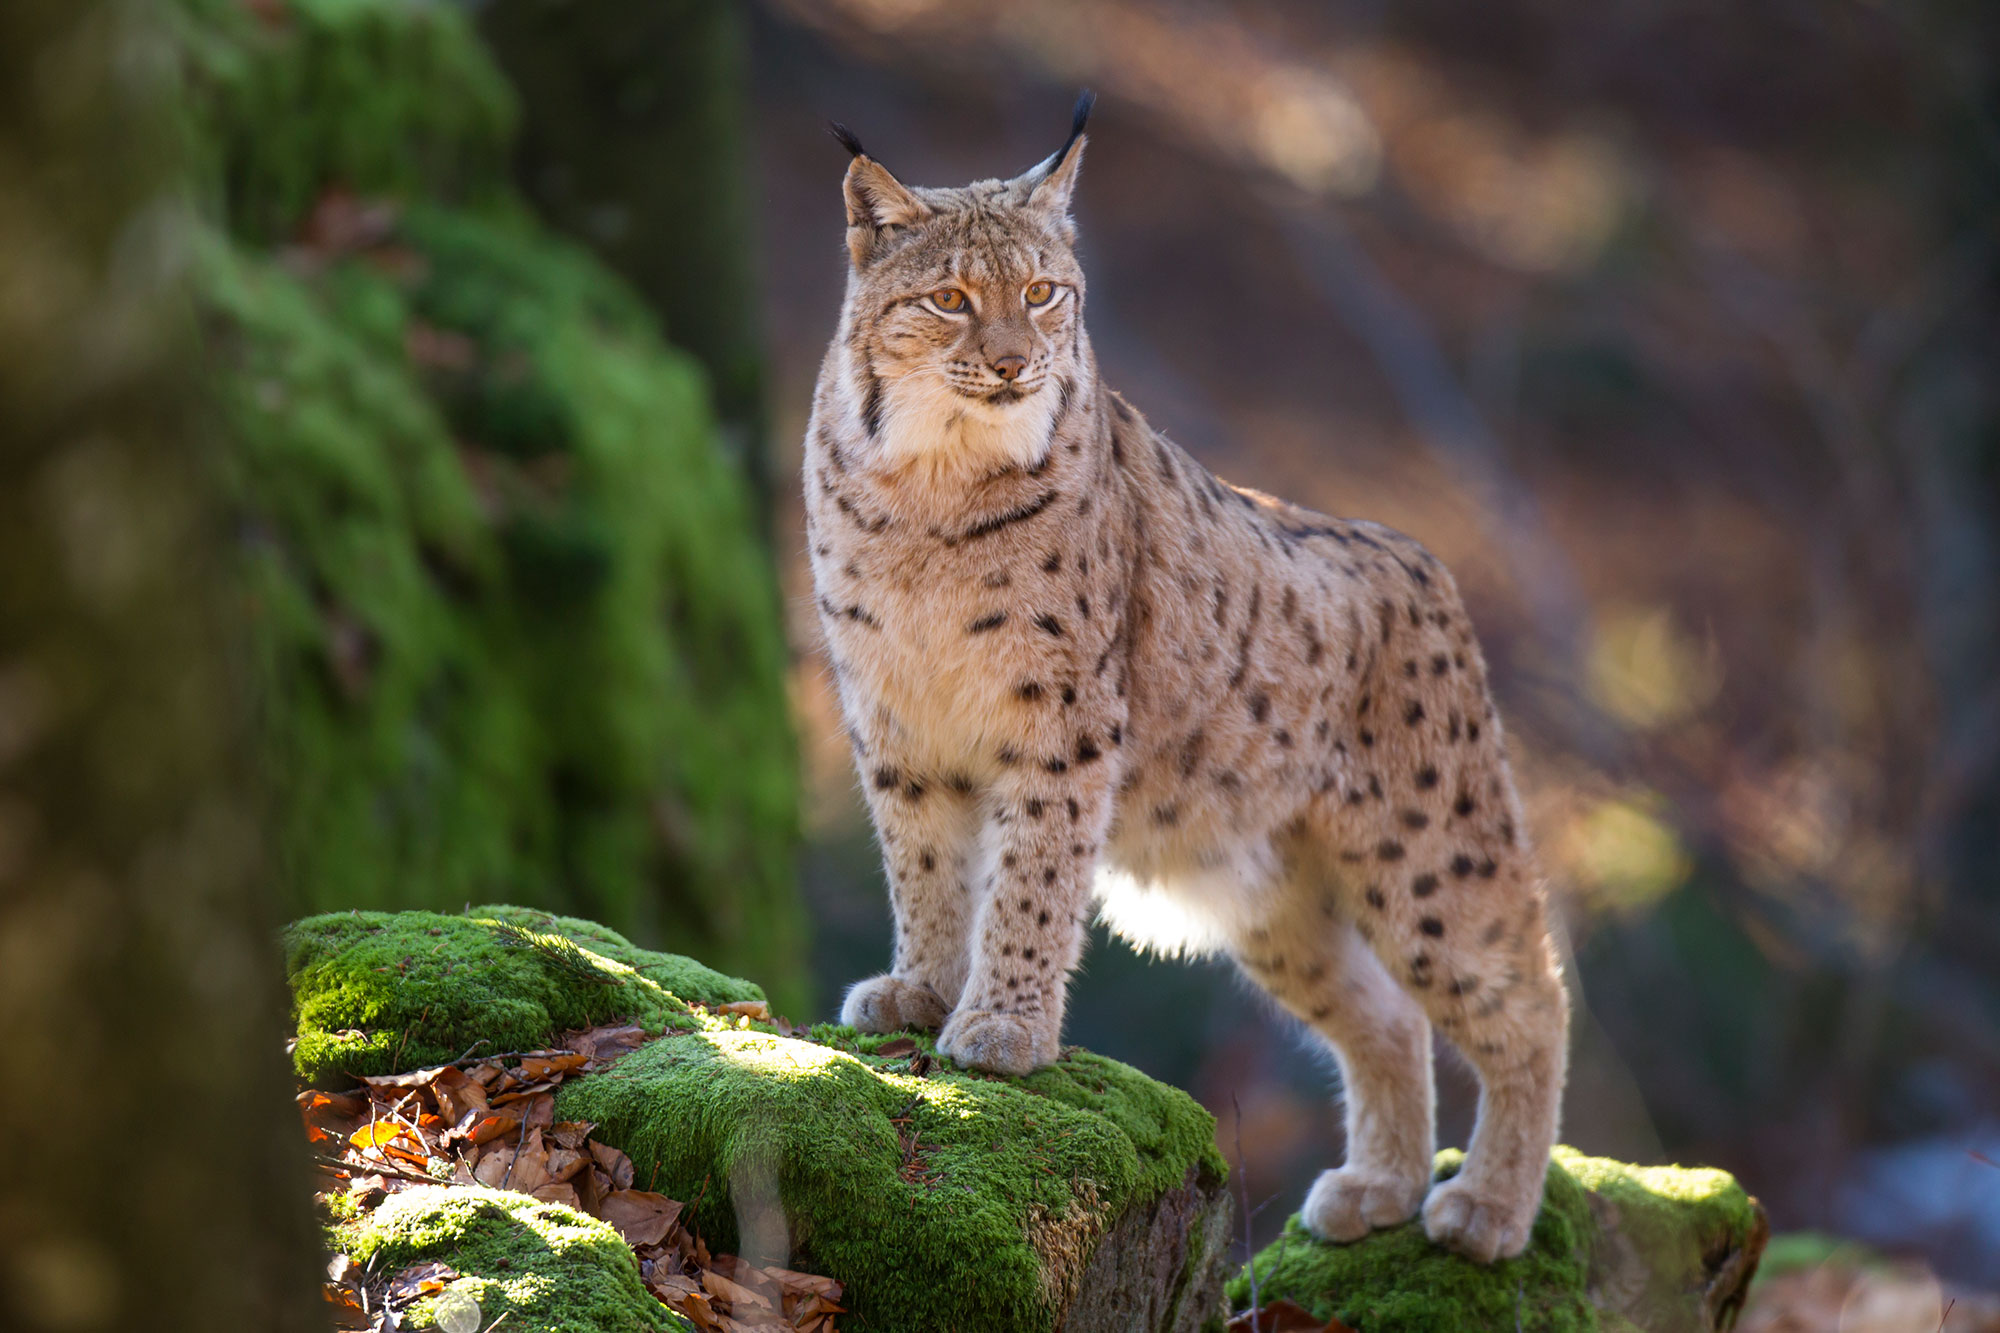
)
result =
(519, 1144)
(353, 1169)
(1243, 1188)
(1947, 1313)
(496, 1323)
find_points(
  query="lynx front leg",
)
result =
(1047, 823)
(927, 831)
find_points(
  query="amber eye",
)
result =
(948, 298)
(1040, 292)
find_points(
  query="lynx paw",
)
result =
(890, 1004)
(1349, 1202)
(1482, 1225)
(1003, 1043)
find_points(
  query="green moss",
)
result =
(380, 97)
(557, 1270)
(375, 992)
(985, 1223)
(1659, 1225)
(517, 634)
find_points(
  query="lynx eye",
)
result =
(1040, 292)
(949, 299)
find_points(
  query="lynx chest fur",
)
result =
(1080, 673)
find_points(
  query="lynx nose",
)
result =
(1009, 367)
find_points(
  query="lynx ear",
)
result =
(877, 203)
(1047, 185)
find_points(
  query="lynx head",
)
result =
(963, 320)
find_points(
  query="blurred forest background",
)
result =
(1674, 328)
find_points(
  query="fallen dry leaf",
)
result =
(424, 1279)
(616, 1164)
(640, 1216)
(897, 1049)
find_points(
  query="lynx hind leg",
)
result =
(1455, 913)
(1319, 969)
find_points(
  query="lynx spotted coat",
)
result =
(1080, 673)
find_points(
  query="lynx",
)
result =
(1080, 674)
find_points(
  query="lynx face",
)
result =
(965, 314)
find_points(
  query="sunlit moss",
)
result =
(556, 1270)
(1636, 1238)
(947, 1200)
(376, 992)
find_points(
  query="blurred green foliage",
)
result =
(516, 632)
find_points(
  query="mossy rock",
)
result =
(381, 992)
(1084, 1196)
(555, 1269)
(1617, 1248)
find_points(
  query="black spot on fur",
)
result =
(1048, 624)
(987, 622)
(1416, 819)
(886, 778)
(1424, 885)
(1389, 850)
(1030, 690)
(1432, 927)
(1427, 777)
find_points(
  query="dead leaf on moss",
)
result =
(897, 1049)
(426, 1279)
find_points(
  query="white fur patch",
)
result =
(925, 422)
(1186, 915)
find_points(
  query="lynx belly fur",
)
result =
(1082, 675)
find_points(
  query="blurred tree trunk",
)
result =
(156, 1180)
(633, 141)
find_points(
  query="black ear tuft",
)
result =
(1081, 117)
(846, 137)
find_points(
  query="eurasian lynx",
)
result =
(1063, 647)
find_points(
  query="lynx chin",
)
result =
(1081, 674)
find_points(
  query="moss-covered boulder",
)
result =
(1618, 1248)
(382, 992)
(1085, 1196)
(555, 1269)
(516, 631)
